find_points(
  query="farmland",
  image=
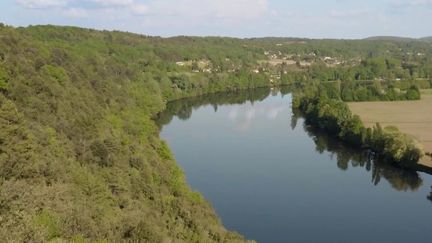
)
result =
(411, 117)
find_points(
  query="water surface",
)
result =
(273, 179)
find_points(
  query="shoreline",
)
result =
(410, 117)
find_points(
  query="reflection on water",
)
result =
(346, 157)
(245, 114)
(183, 108)
(400, 179)
(275, 179)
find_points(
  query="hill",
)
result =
(389, 38)
(428, 39)
(80, 156)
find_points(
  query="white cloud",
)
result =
(220, 9)
(234, 8)
(113, 2)
(350, 13)
(75, 12)
(244, 116)
(42, 3)
(75, 9)
(412, 3)
(189, 12)
(139, 9)
(241, 18)
(355, 17)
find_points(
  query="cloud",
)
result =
(113, 2)
(120, 6)
(42, 3)
(139, 9)
(237, 18)
(245, 115)
(350, 13)
(183, 9)
(411, 3)
(66, 3)
(211, 9)
(234, 8)
(356, 16)
(75, 12)
(83, 8)
(167, 17)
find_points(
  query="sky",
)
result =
(348, 19)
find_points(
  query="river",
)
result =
(273, 179)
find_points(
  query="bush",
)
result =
(413, 93)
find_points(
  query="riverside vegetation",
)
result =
(80, 155)
(334, 116)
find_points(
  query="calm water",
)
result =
(273, 179)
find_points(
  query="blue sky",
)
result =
(237, 18)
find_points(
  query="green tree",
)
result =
(413, 93)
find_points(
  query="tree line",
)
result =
(334, 117)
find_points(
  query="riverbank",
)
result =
(335, 117)
(296, 183)
(411, 117)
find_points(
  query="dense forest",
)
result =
(80, 154)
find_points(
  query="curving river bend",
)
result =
(273, 179)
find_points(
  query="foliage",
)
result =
(400, 179)
(80, 156)
(413, 93)
(334, 117)
(3, 80)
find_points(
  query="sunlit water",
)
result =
(272, 179)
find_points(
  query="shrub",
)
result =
(413, 93)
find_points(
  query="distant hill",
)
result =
(397, 38)
(428, 39)
(390, 38)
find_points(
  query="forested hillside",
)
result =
(80, 156)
